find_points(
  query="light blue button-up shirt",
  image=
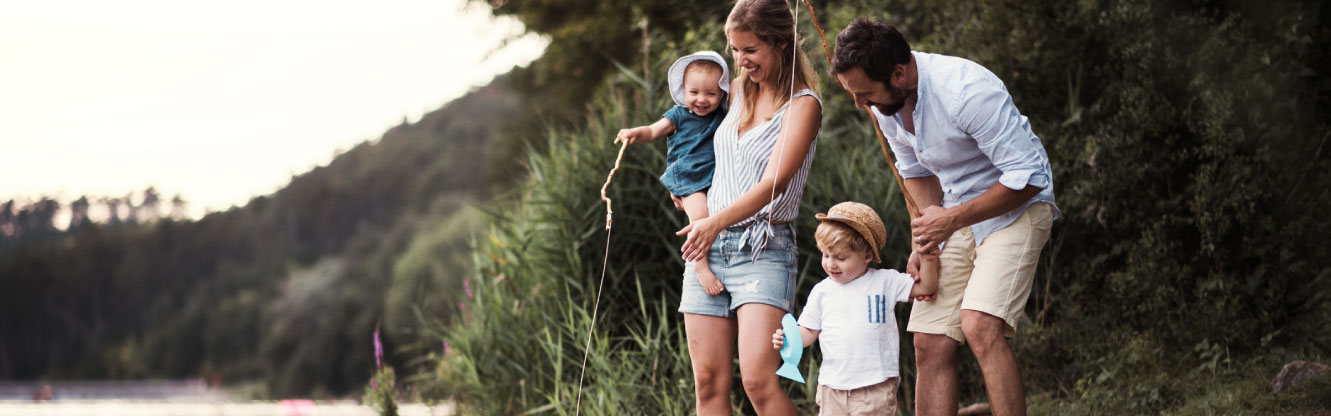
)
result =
(969, 135)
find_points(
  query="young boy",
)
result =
(850, 312)
(699, 84)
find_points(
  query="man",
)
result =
(969, 158)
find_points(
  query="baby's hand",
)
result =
(628, 135)
(778, 339)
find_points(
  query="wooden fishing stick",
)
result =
(608, 211)
(911, 208)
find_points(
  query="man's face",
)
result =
(887, 99)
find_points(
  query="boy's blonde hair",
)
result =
(835, 236)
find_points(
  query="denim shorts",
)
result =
(769, 280)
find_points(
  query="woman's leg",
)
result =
(711, 350)
(758, 361)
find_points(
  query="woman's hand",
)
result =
(701, 234)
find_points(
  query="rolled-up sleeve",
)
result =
(986, 112)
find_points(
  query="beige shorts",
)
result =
(994, 278)
(877, 399)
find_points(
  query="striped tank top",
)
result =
(740, 163)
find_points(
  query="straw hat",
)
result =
(863, 220)
(676, 75)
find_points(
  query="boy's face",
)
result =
(702, 92)
(844, 265)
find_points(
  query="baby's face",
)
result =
(844, 265)
(702, 93)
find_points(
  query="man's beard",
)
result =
(899, 95)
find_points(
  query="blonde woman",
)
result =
(764, 148)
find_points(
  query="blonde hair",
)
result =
(833, 236)
(772, 23)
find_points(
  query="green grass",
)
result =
(1245, 391)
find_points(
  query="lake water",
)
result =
(167, 398)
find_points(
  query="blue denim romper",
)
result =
(690, 159)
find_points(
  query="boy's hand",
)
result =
(629, 135)
(778, 339)
(913, 269)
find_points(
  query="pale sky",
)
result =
(223, 101)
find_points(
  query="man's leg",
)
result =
(937, 328)
(935, 375)
(1002, 377)
(996, 297)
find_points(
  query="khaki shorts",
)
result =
(877, 399)
(994, 278)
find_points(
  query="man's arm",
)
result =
(936, 223)
(1004, 136)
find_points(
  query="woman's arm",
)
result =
(802, 121)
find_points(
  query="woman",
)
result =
(764, 148)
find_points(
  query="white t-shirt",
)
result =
(858, 335)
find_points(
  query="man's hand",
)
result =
(932, 228)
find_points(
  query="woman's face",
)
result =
(756, 57)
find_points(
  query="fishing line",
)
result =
(591, 330)
(785, 122)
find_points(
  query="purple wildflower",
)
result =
(466, 287)
(447, 351)
(378, 349)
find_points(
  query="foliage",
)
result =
(381, 394)
(1186, 139)
(279, 291)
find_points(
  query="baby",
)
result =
(699, 83)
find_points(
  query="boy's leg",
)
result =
(695, 205)
(876, 399)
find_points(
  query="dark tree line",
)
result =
(281, 294)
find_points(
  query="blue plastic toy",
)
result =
(791, 349)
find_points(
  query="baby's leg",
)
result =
(695, 205)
